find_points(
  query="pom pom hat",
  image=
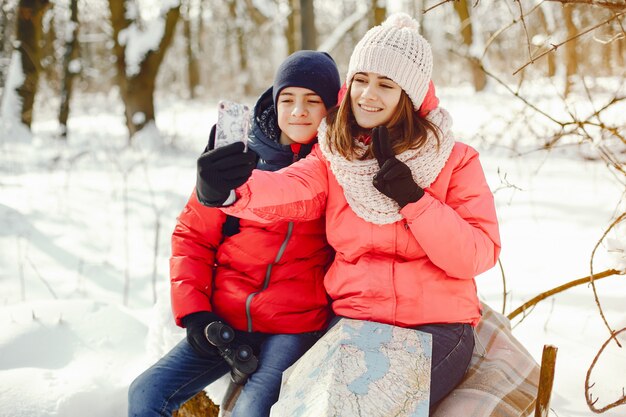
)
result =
(395, 49)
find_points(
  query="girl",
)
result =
(407, 208)
(264, 281)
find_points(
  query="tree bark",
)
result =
(29, 31)
(193, 74)
(70, 68)
(571, 65)
(137, 90)
(620, 52)
(546, 380)
(463, 12)
(379, 12)
(198, 406)
(48, 58)
(548, 26)
(309, 33)
(7, 25)
(120, 22)
(240, 36)
(291, 31)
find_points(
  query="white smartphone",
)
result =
(233, 123)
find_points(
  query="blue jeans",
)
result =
(182, 373)
(453, 345)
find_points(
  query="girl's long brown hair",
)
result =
(407, 129)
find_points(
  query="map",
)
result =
(360, 368)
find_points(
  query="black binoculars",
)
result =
(240, 358)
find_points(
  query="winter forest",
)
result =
(106, 104)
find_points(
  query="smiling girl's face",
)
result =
(374, 99)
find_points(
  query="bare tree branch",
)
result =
(436, 5)
(561, 288)
(592, 276)
(588, 396)
(503, 286)
(516, 94)
(556, 46)
(612, 5)
(521, 14)
(504, 28)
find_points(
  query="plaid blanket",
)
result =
(502, 379)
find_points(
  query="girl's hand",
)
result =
(222, 170)
(394, 178)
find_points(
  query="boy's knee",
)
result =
(136, 388)
(140, 398)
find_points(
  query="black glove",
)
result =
(394, 178)
(221, 170)
(195, 323)
(211, 145)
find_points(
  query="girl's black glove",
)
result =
(394, 178)
(222, 170)
(195, 323)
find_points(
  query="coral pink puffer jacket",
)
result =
(416, 271)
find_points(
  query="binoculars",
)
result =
(240, 358)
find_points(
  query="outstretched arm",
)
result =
(295, 193)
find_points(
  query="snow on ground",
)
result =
(84, 247)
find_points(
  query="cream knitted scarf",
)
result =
(355, 177)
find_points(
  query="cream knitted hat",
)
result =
(396, 50)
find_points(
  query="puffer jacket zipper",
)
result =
(268, 274)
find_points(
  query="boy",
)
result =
(264, 281)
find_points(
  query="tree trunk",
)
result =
(193, 74)
(119, 23)
(201, 28)
(258, 18)
(197, 406)
(29, 30)
(606, 69)
(379, 12)
(48, 58)
(137, 89)
(547, 22)
(71, 68)
(571, 66)
(291, 30)
(546, 381)
(7, 25)
(307, 19)
(463, 12)
(141, 86)
(620, 52)
(240, 36)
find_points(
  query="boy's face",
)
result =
(299, 112)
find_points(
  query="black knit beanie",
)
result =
(309, 69)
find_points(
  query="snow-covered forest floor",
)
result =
(85, 229)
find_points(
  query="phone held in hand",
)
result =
(233, 122)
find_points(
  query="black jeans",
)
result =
(453, 345)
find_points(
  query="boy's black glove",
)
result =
(195, 323)
(222, 170)
(394, 178)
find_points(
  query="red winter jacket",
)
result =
(266, 278)
(416, 271)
